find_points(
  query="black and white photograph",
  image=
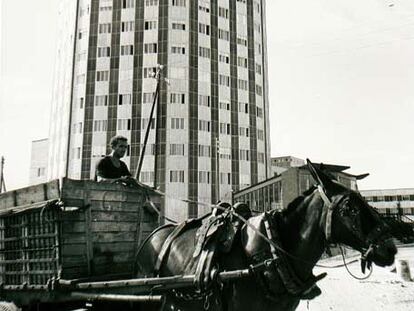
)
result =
(216, 155)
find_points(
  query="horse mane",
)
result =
(297, 201)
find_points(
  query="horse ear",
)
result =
(321, 178)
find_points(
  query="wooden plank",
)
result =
(72, 227)
(114, 206)
(107, 226)
(73, 238)
(110, 248)
(118, 216)
(113, 237)
(73, 249)
(74, 261)
(73, 216)
(29, 195)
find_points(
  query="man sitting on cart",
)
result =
(111, 167)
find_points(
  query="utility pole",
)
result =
(2, 183)
(217, 169)
(157, 76)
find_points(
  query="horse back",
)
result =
(148, 253)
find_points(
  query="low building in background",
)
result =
(282, 164)
(398, 203)
(38, 161)
(278, 191)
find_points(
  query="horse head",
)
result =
(351, 221)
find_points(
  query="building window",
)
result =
(223, 12)
(127, 26)
(242, 62)
(242, 41)
(224, 80)
(178, 2)
(124, 99)
(243, 84)
(177, 98)
(244, 107)
(147, 176)
(204, 29)
(124, 124)
(204, 125)
(148, 98)
(204, 100)
(244, 131)
(203, 177)
(127, 49)
(176, 149)
(244, 155)
(259, 112)
(225, 128)
(204, 7)
(105, 6)
(224, 105)
(149, 150)
(260, 157)
(148, 25)
(144, 123)
(101, 100)
(177, 123)
(260, 134)
(100, 125)
(258, 69)
(204, 151)
(151, 2)
(150, 72)
(259, 90)
(242, 1)
(104, 51)
(204, 52)
(178, 50)
(126, 4)
(102, 75)
(104, 28)
(177, 176)
(223, 34)
(224, 58)
(178, 26)
(150, 48)
(81, 102)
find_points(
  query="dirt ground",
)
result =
(383, 291)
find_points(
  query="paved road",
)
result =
(383, 291)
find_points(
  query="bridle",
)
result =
(373, 237)
(278, 255)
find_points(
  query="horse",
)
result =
(286, 245)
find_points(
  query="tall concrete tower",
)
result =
(215, 58)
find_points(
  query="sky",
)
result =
(341, 84)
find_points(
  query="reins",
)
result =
(269, 241)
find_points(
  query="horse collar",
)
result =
(328, 221)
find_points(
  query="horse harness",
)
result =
(371, 242)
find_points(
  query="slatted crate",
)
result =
(84, 230)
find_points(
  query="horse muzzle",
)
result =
(382, 254)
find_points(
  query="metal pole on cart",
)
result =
(147, 131)
(2, 183)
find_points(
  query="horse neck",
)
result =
(302, 233)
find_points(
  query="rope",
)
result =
(350, 273)
(261, 234)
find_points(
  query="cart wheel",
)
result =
(8, 306)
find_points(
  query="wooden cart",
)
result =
(58, 234)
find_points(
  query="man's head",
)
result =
(119, 145)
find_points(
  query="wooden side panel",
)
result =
(29, 195)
